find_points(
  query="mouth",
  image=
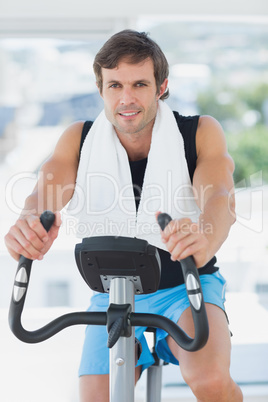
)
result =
(129, 114)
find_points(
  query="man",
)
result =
(139, 143)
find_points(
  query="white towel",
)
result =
(103, 201)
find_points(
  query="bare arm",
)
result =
(213, 187)
(53, 190)
(213, 181)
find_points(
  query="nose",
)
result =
(127, 96)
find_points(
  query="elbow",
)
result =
(233, 218)
(231, 208)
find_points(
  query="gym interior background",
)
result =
(218, 57)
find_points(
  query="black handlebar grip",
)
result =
(21, 285)
(188, 262)
(194, 292)
(18, 298)
(47, 219)
(163, 220)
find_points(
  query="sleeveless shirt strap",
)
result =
(188, 127)
(86, 127)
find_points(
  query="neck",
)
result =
(136, 148)
(137, 145)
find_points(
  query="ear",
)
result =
(163, 88)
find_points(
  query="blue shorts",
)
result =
(170, 303)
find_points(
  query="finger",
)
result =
(187, 246)
(177, 235)
(177, 225)
(157, 214)
(28, 229)
(173, 240)
(30, 233)
(29, 238)
(53, 232)
(16, 249)
(199, 250)
(35, 224)
(58, 220)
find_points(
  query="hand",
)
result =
(29, 238)
(183, 238)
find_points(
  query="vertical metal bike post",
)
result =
(122, 354)
(154, 382)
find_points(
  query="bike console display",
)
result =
(100, 259)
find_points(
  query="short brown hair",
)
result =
(136, 47)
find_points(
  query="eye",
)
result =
(141, 84)
(114, 86)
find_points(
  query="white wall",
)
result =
(118, 9)
(82, 18)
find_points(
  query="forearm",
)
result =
(31, 205)
(40, 201)
(53, 191)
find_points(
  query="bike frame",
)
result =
(122, 284)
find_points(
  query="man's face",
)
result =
(130, 96)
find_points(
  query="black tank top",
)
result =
(171, 273)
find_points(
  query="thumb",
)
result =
(157, 214)
(53, 232)
(57, 220)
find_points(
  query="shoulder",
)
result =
(210, 137)
(207, 121)
(69, 142)
(211, 145)
(74, 131)
(63, 163)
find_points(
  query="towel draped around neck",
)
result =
(103, 201)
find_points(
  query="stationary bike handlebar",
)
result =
(100, 318)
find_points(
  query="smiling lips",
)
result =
(128, 114)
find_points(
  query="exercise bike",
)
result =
(122, 267)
